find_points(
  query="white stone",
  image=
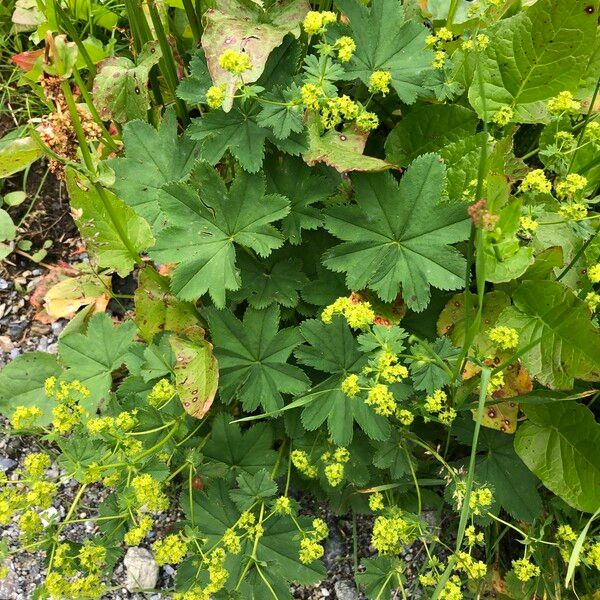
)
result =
(141, 570)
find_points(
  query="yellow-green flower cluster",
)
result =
(480, 500)
(565, 533)
(376, 501)
(136, 534)
(345, 47)
(282, 505)
(367, 121)
(350, 386)
(301, 461)
(170, 550)
(92, 557)
(161, 392)
(310, 550)
(535, 181)
(231, 541)
(320, 530)
(316, 22)
(36, 463)
(473, 537)
(10, 501)
(41, 494)
(495, 383)
(438, 42)
(30, 524)
(334, 470)
(592, 133)
(235, 62)
(390, 534)
(215, 95)
(593, 555)
(524, 569)
(122, 423)
(24, 417)
(504, 337)
(452, 590)
(359, 314)
(388, 368)
(380, 82)
(88, 586)
(473, 569)
(381, 399)
(563, 103)
(148, 494)
(503, 116)
(311, 95)
(573, 211)
(594, 273)
(435, 402)
(68, 413)
(571, 186)
(337, 110)
(592, 299)
(528, 224)
(478, 42)
(405, 416)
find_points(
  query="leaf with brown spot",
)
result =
(196, 374)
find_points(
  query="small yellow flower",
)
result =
(593, 555)
(503, 116)
(380, 82)
(345, 48)
(235, 62)
(215, 96)
(310, 550)
(525, 570)
(439, 59)
(564, 102)
(473, 569)
(41, 494)
(480, 499)
(496, 382)
(316, 22)
(282, 505)
(341, 455)
(528, 224)
(162, 391)
(444, 34)
(571, 185)
(565, 533)
(381, 399)
(536, 181)
(504, 337)
(171, 550)
(376, 501)
(148, 493)
(135, 535)
(320, 529)
(592, 300)
(231, 541)
(405, 416)
(435, 402)
(367, 121)
(473, 536)
(25, 417)
(350, 386)
(573, 211)
(92, 557)
(594, 273)
(301, 461)
(36, 463)
(334, 474)
(311, 94)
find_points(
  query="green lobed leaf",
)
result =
(568, 344)
(153, 157)
(206, 222)
(397, 237)
(17, 154)
(253, 356)
(559, 443)
(533, 56)
(386, 41)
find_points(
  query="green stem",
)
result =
(67, 26)
(167, 63)
(193, 20)
(76, 122)
(587, 118)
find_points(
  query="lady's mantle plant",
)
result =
(368, 265)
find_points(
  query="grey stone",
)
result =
(345, 590)
(8, 585)
(6, 464)
(141, 570)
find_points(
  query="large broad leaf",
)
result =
(303, 187)
(91, 357)
(559, 443)
(228, 28)
(207, 221)
(398, 236)
(342, 151)
(121, 87)
(333, 349)
(568, 345)
(428, 128)
(241, 452)
(515, 487)
(114, 234)
(152, 158)
(22, 383)
(253, 357)
(196, 372)
(16, 154)
(386, 41)
(533, 56)
(157, 310)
